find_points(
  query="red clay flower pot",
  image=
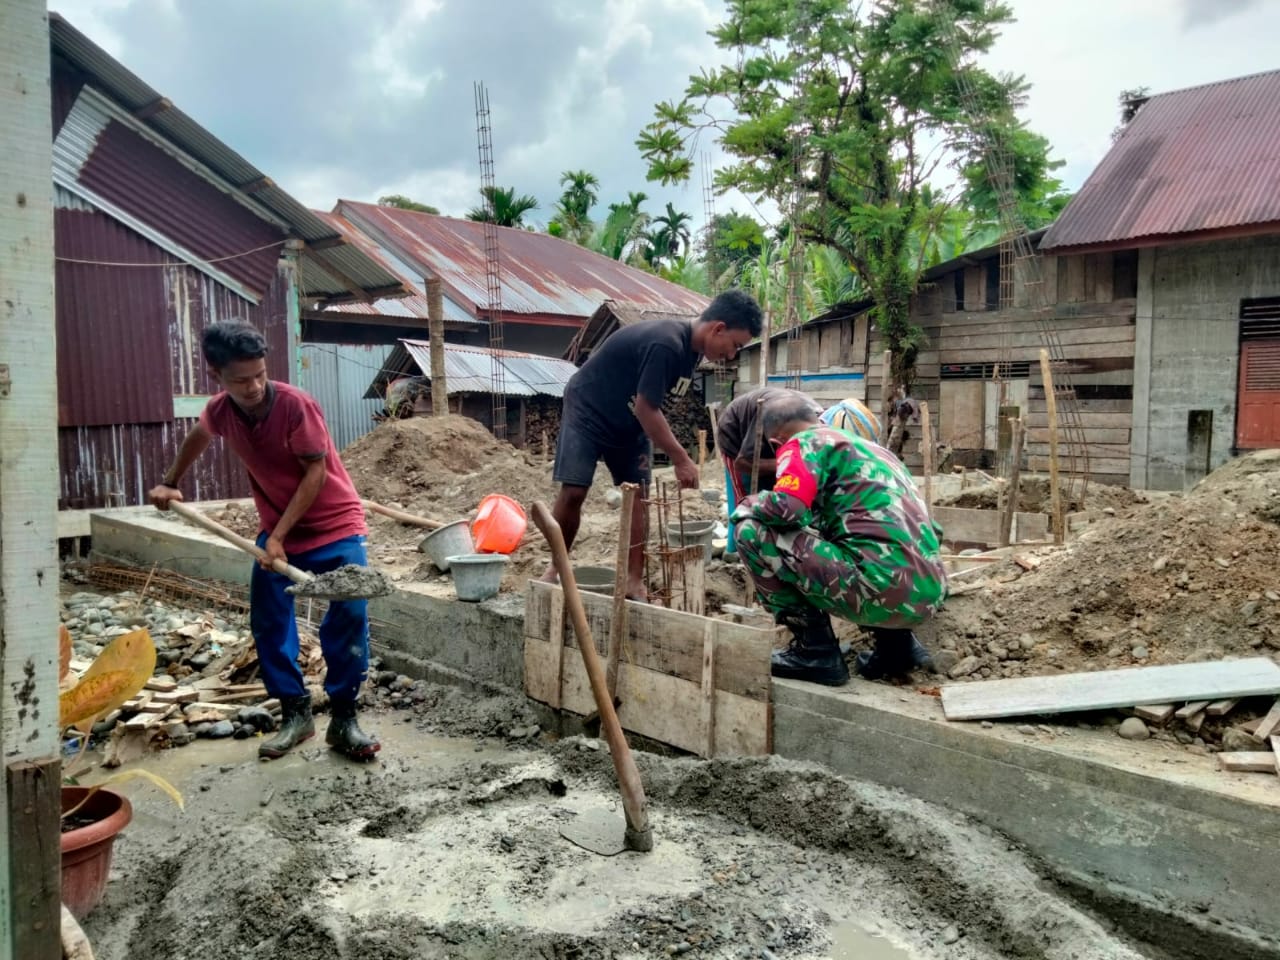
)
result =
(86, 850)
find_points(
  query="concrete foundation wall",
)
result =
(1188, 348)
(1186, 847)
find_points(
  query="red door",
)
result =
(1258, 413)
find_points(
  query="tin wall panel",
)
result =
(154, 187)
(337, 375)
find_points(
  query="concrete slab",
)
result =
(143, 536)
(1152, 825)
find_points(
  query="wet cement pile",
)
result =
(1179, 579)
(349, 582)
(435, 854)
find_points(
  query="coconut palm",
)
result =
(573, 210)
(671, 233)
(508, 208)
(623, 235)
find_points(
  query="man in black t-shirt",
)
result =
(613, 409)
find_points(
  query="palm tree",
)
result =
(622, 236)
(508, 209)
(672, 233)
(573, 210)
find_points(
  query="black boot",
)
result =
(896, 654)
(345, 735)
(296, 725)
(814, 654)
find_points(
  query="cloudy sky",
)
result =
(357, 98)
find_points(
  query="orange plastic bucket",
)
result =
(500, 523)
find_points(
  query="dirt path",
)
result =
(450, 847)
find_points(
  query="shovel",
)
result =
(351, 582)
(638, 834)
(412, 519)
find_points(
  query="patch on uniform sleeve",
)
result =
(794, 476)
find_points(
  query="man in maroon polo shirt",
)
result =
(311, 516)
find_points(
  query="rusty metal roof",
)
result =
(221, 166)
(1192, 161)
(542, 275)
(470, 370)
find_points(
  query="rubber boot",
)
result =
(296, 725)
(896, 654)
(345, 735)
(814, 654)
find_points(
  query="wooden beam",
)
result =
(1248, 761)
(1055, 490)
(1105, 689)
(254, 186)
(1220, 708)
(327, 243)
(34, 799)
(1269, 724)
(709, 691)
(149, 110)
(1157, 713)
(1014, 486)
(373, 293)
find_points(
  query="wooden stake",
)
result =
(618, 625)
(1015, 477)
(709, 689)
(1051, 407)
(926, 432)
(886, 398)
(755, 456)
(545, 457)
(702, 449)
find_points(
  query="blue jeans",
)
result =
(344, 632)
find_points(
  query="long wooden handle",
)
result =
(411, 519)
(248, 546)
(755, 456)
(634, 805)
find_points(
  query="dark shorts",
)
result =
(577, 455)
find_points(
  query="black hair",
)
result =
(737, 310)
(225, 343)
(783, 409)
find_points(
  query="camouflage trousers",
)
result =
(867, 584)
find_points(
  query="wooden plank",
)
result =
(1105, 689)
(1275, 753)
(34, 798)
(555, 629)
(1077, 352)
(1269, 724)
(1092, 435)
(983, 526)
(1104, 277)
(709, 691)
(1220, 708)
(1107, 333)
(159, 683)
(1248, 761)
(1071, 279)
(1013, 323)
(960, 413)
(975, 291)
(1191, 709)
(1195, 721)
(666, 641)
(1157, 713)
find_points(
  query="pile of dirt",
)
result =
(1034, 497)
(241, 518)
(1180, 579)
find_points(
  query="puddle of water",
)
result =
(849, 941)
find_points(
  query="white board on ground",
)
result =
(1104, 689)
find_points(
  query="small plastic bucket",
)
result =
(451, 540)
(693, 533)
(477, 576)
(595, 579)
(499, 524)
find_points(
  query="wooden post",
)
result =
(435, 324)
(618, 623)
(926, 445)
(886, 399)
(709, 689)
(545, 450)
(702, 449)
(764, 347)
(30, 808)
(1051, 407)
(1015, 476)
(755, 455)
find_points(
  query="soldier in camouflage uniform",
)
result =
(843, 531)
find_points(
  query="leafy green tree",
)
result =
(670, 234)
(404, 203)
(1131, 101)
(508, 208)
(735, 238)
(623, 234)
(841, 114)
(1040, 196)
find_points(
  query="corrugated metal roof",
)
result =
(236, 174)
(412, 306)
(541, 274)
(470, 370)
(1192, 161)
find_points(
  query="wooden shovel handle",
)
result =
(634, 805)
(411, 519)
(195, 516)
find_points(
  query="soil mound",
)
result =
(1182, 578)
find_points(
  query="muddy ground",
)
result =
(450, 846)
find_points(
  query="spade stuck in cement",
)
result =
(351, 582)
